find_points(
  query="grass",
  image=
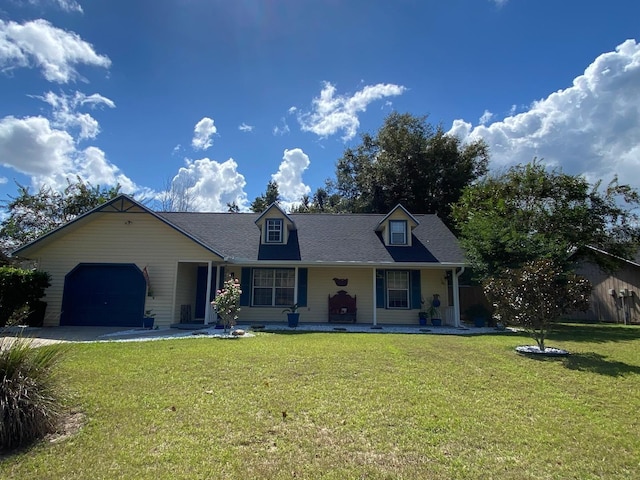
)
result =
(342, 406)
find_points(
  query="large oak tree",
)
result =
(411, 162)
(530, 212)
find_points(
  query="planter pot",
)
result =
(436, 322)
(147, 322)
(478, 322)
(292, 319)
(422, 319)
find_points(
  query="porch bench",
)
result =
(342, 308)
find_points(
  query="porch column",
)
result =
(456, 297)
(207, 305)
(375, 309)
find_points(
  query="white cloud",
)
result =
(281, 129)
(332, 113)
(39, 44)
(30, 146)
(486, 117)
(211, 185)
(66, 116)
(245, 128)
(3, 180)
(499, 3)
(592, 127)
(289, 177)
(66, 5)
(49, 156)
(202, 133)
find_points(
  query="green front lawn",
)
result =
(348, 406)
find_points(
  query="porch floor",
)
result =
(344, 327)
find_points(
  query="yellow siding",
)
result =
(137, 238)
(321, 285)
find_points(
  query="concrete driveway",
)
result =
(48, 335)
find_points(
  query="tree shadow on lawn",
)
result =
(591, 362)
(594, 333)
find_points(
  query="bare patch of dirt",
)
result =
(70, 424)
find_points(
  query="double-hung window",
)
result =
(397, 289)
(397, 232)
(273, 287)
(274, 230)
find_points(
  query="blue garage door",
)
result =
(104, 295)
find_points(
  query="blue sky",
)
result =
(223, 96)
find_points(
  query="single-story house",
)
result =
(615, 295)
(121, 260)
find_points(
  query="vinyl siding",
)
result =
(321, 285)
(137, 238)
(606, 307)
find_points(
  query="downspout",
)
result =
(374, 303)
(207, 310)
(456, 297)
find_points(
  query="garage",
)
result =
(104, 295)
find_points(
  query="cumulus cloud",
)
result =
(39, 44)
(32, 147)
(332, 113)
(289, 176)
(202, 133)
(66, 115)
(48, 155)
(245, 128)
(211, 185)
(591, 127)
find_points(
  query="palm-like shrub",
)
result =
(30, 403)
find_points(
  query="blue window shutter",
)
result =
(222, 279)
(303, 274)
(416, 291)
(380, 289)
(245, 286)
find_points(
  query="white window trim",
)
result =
(273, 287)
(408, 276)
(274, 221)
(405, 233)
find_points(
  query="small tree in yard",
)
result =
(536, 295)
(227, 303)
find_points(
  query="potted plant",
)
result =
(434, 311)
(422, 314)
(148, 319)
(293, 317)
(478, 314)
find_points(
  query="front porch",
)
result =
(376, 296)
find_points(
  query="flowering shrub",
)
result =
(537, 295)
(227, 302)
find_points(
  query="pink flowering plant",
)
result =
(227, 302)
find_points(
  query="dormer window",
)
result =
(274, 230)
(397, 232)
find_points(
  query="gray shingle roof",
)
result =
(320, 238)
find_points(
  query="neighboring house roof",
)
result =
(635, 261)
(321, 238)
